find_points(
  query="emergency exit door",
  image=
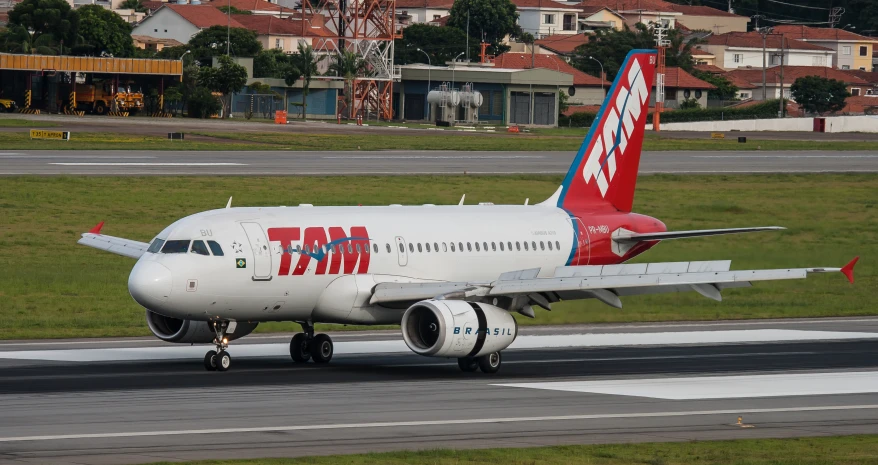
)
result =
(261, 252)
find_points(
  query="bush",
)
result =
(764, 110)
(203, 104)
(690, 104)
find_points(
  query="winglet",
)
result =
(848, 270)
(229, 203)
(97, 229)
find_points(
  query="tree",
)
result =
(306, 62)
(270, 63)
(563, 104)
(226, 79)
(136, 5)
(104, 31)
(348, 65)
(610, 47)
(53, 18)
(439, 42)
(818, 94)
(17, 39)
(492, 18)
(173, 98)
(225, 9)
(690, 104)
(211, 42)
(203, 104)
(725, 90)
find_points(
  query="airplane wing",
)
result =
(117, 245)
(605, 283)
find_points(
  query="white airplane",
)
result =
(451, 275)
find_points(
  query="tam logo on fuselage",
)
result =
(332, 248)
(631, 101)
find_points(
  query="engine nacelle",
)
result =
(456, 328)
(187, 331)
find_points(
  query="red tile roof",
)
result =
(202, 16)
(791, 73)
(152, 5)
(691, 10)
(439, 4)
(754, 40)
(868, 76)
(678, 78)
(543, 4)
(659, 6)
(861, 104)
(269, 25)
(249, 5)
(563, 43)
(820, 33)
(443, 21)
(712, 69)
(552, 62)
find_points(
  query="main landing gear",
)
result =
(219, 359)
(306, 345)
(489, 363)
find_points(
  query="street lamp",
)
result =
(429, 66)
(602, 74)
(184, 54)
(453, 66)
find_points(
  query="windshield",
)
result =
(156, 245)
(199, 248)
(176, 247)
(215, 248)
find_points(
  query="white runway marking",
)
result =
(723, 387)
(784, 156)
(175, 352)
(106, 157)
(146, 164)
(408, 424)
(432, 157)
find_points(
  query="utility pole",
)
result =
(467, 36)
(765, 32)
(731, 10)
(229, 31)
(782, 106)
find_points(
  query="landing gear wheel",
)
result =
(223, 360)
(468, 364)
(321, 348)
(299, 348)
(210, 360)
(490, 363)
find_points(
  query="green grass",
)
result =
(844, 450)
(51, 288)
(24, 123)
(216, 141)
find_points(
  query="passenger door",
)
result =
(261, 252)
(401, 250)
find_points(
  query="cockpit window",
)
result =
(215, 248)
(176, 247)
(199, 248)
(156, 245)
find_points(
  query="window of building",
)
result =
(845, 67)
(862, 68)
(279, 44)
(846, 50)
(775, 59)
(698, 94)
(855, 91)
(818, 61)
(745, 95)
(739, 57)
(548, 19)
(435, 17)
(864, 50)
(687, 93)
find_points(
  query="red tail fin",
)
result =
(604, 171)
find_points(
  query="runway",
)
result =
(140, 400)
(269, 163)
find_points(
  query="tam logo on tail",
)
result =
(604, 172)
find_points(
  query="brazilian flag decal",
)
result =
(240, 263)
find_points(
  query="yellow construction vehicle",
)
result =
(100, 99)
(133, 99)
(8, 105)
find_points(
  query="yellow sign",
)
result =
(717, 135)
(56, 135)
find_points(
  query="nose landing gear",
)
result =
(219, 359)
(306, 346)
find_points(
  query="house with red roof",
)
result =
(586, 89)
(421, 11)
(543, 18)
(286, 34)
(854, 84)
(680, 86)
(737, 50)
(852, 51)
(562, 44)
(695, 17)
(181, 22)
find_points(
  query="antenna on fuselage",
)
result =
(229, 203)
(526, 200)
(461, 199)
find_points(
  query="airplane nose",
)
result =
(150, 284)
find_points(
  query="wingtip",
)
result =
(848, 270)
(97, 228)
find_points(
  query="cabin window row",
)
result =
(427, 247)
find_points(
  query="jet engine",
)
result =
(188, 331)
(456, 328)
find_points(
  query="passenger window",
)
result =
(388, 248)
(298, 249)
(469, 247)
(509, 245)
(436, 246)
(156, 245)
(550, 245)
(176, 247)
(557, 245)
(411, 247)
(375, 247)
(452, 246)
(419, 247)
(534, 245)
(525, 245)
(493, 247)
(445, 247)
(518, 246)
(427, 245)
(485, 246)
(460, 246)
(358, 248)
(307, 249)
(477, 247)
(542, 245)
(199, 248)
(215, 248)
(501, 246)
(401, 248)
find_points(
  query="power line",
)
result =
(798, 6)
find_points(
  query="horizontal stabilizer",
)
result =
(627, 237)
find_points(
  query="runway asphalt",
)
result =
(138, 401)
(142, 162)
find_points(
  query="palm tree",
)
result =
(17, 39)
(349, 65)
(306, 63)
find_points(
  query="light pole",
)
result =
(602, 74)
(184, 54)
(229, 31)
(429, 66)
(453, 66)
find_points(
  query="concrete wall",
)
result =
(833, 124)
(725, 57)
(586, 95)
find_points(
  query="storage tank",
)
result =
(444, 97)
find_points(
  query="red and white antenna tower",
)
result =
(660, 30)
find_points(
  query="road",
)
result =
(140, 400)
(142, 162)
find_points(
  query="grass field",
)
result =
(217, 141)
(846, 450)
(50, 287)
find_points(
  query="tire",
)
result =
(299, 348)
(321, 348)
(223, 361)
(468, 364)
(209, 360)
(490, 363)
(9, 109)
(100, 109)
